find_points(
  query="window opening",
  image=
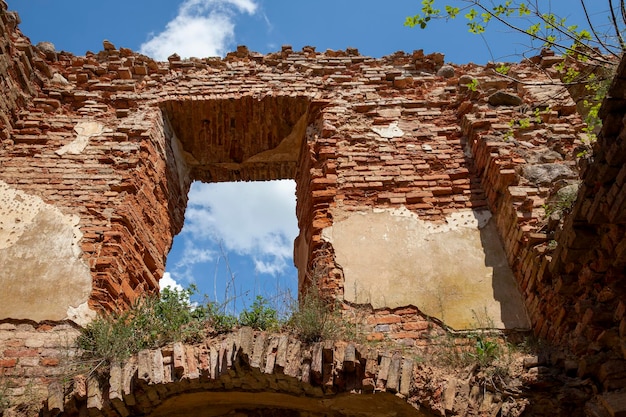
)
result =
(237, 243)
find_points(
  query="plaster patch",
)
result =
(43, 275)
(84, 131)
(389, 132)
(455, 270)
(81, 315)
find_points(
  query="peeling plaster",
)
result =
(389, 132)
(84, 131)
(455, 270)
(43, 276)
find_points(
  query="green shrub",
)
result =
(108, 339)
(218, 319)
(151, 322)
(261, 316)
(313, 319)
(486, 351)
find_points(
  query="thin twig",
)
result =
(615, 25)
(591, 26)
(541, 38)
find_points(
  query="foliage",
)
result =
(4, 395)
(562, 202)
(503, 69)
(218, 319)
(485, 350)
(591, 53)
(524, 123)
(536, 20)
(149, 323)
(313, 319)
(261, 315)
(473, 85)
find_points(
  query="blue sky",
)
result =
(233, 247)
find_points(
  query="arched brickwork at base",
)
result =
(246, 371)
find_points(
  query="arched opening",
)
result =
(270, 404)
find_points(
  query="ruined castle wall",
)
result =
(590, 263)
(121, 137)
(419, 198)
(16, 62)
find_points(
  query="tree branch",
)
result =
(594, 57)
(615, 25)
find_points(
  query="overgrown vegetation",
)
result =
(4, 395)
(151, 322)
(562, 202)
(536, 20)
(155, 321)
(474, 348)
(261, 315)
(313, 320)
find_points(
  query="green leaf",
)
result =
(452, 11)
(533, 30)
(503, 69)
(471, 15)
(523, 10)
(550, 41)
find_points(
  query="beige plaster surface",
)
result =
(43, 276)
(455, 270)
(84, 131)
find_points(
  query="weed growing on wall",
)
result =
(156, 321)
(312, 320)
(151, 322)
(562, 202)
(4, 395)
(260, 316)
(590, 54)
(218, 319)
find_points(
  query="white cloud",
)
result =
(194, 254)
(254, 218)
(168, 282)
(272, 267)
(202, 28)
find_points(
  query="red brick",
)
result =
(406, 311)
(8, 363)
(436, 177)
(375, 337)
(438, 191)
(390, 319)
(23, 353)
(49, 361)
(405, 335)
(416, 325)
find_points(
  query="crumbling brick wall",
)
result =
(110, 142)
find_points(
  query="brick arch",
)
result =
(245, 371)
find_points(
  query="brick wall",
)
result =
(458, 149)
